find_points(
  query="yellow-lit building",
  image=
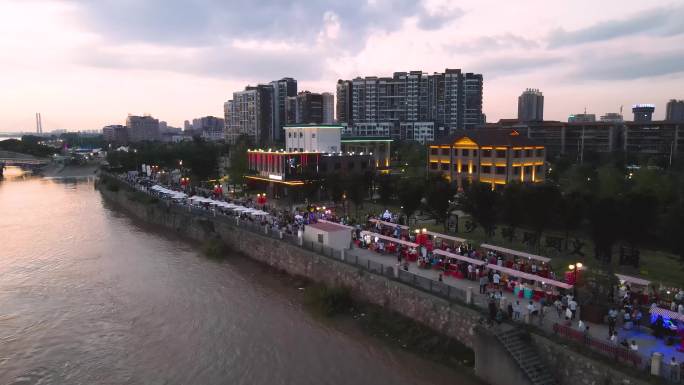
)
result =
(496, 156)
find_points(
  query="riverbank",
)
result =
(54, 171)
(374, 284)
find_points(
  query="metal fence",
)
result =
(617, 352)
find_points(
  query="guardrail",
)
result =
(619, 353)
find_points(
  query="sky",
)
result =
(84, 64)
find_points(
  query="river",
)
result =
(88, 296)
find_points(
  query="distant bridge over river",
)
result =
(10, 158)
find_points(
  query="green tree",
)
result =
(386, 184)
(439, 195)
(480, 202)
(672, 228)
(604, 220)
(410, 194)
(511, 206)
(542, 202)
(570, 213)
(239, 166)
(611, 181)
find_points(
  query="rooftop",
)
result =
(490, 137)
(327, 227)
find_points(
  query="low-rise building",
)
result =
(495, 156)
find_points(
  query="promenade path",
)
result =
(646, 342)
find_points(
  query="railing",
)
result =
(619, 353)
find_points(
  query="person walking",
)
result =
(516, 310)
(612, 321)
(483, 285)
(542, 314)
(559, 308)
(674, 370)
(572, 305)
(530, 312)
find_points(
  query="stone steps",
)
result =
(526, 356)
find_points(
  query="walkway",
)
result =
(646, 342)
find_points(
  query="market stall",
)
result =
(383, 243)
(537, 287)
(518, 260)
(452, 261)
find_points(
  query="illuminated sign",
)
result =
(643, 106)
(275, 177)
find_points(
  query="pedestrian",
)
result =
(614, 338)
(470, 272)
(483, 285)
(674, 370)
(572, 305)
(637, 318)
(559, 308)
(516, 310)
(612, 321)
(510, 310)
(633, 346)
(496, 279)
(440, 278)
(530, 312)
(568, 314)
(542, 314)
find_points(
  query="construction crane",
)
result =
(39, 123)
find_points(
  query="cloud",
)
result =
(206, 22)
(513, 65)
(666, 21)
(438, 18)
(629, 66)
(483, 44)
(242, 61)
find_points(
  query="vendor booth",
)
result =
(328, 234)
(529, 286)
(517, 260)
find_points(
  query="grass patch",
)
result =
(214, 249)
(328, 301)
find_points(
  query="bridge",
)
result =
(10, 158)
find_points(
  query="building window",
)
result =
(313, 136)
(445, 166)
(517, 153)
(486, 169)
(516, 170)
(475, 153)
(301, 149)
(487, 153)
(500, 153)
(465, 152)
(289, 134)
(528, 153)
(434, 151)
(474, 169)
(540, 152)
(500, 170)
(301, 134)
(538, 171)
(446, 151)
(433, 166)
(320, 238)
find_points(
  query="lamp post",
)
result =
(575, 269)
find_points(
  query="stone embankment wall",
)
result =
(448, 318)
(453, 320)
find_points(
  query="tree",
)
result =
(439, 194)
(480, 202)
(570, 213)
(239, 166)
(356, 190)
(672, 228)
(386, 187)
(410, 193)
(542, 201)
(604, 219)
(611, 181)
(511, 207)
(639, 214)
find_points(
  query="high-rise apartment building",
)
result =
(581, 118)
(675, 111)
(344, 101)
(452, 99)
(309, 108)
(282, 89)
(531, 106)
(142, 128)
(613, 117)
(209, 128)
(643, 112)
(115, 133)
(250, 113)
(328, 108)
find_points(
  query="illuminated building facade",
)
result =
(495, 156)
